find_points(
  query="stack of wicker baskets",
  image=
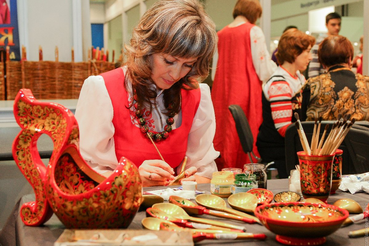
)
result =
(48, 79)
(2, 82)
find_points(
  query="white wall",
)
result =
(97, 13)
(54, 23)
(220, 11)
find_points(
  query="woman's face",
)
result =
(167, 69)
(302, 60)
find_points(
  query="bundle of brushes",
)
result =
(328, 145)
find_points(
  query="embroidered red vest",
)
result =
(128, 138)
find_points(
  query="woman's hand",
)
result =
(156, 173)
(189, 174)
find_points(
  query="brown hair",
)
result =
(330, 16)
(180, 28)
(251, 9)
(292, 43)
(335, 49)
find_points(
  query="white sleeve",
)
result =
(214, 64)
(200, 150)
(94, 114)
(263, 64)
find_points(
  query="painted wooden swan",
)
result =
(67, 186)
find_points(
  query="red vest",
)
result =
(130, 142)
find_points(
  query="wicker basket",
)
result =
(2, 82)
(79, 72)
(99, 67)
(49, 79)
(63, 77)
(36, 76)
(13, 79)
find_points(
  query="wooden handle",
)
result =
(229, 216)
(359, 233)
(217, 223)
(40, 56)
(242, 214)
(195, 225)
(56, 54)
(73, 54)
(260, 236)
(8, 53)
(233, 236)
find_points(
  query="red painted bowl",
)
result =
(264, 196)
(299, 223)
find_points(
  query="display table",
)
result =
(16, 233)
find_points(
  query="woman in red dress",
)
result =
(244, 63)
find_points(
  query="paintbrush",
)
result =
(317, 136)
(181, 175)
(327, 142)
(303, 135)
(323, 136)
(313, 138)
(155, 147)
(342, 137)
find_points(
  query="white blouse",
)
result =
(94, 114)
(263, 64)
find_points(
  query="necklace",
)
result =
(156, 136)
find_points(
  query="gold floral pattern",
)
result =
(79, 196)
(316, 176)
(326, 103)
(300, 212)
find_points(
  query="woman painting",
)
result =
(156, 95)
(279, 93)
(243, 64)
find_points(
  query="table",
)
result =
(16, 233)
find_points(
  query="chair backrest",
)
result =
(293, 145)
(357, 142)
(243, 128)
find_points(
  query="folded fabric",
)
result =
(355, 183)
(294, 181)
(166, 193)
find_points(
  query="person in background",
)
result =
(279, 100)
(274, 58)
(358, 60)
(156, 93)
(333, 24)
(243, 64)
(339, 92)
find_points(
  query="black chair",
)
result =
(357, 142)
(243, 130)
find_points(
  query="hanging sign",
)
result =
(9, 35)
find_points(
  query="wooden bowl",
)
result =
(299, 223)
(287, 196)
(264, 196)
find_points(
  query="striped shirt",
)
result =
(315, 68)
(279, 90)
